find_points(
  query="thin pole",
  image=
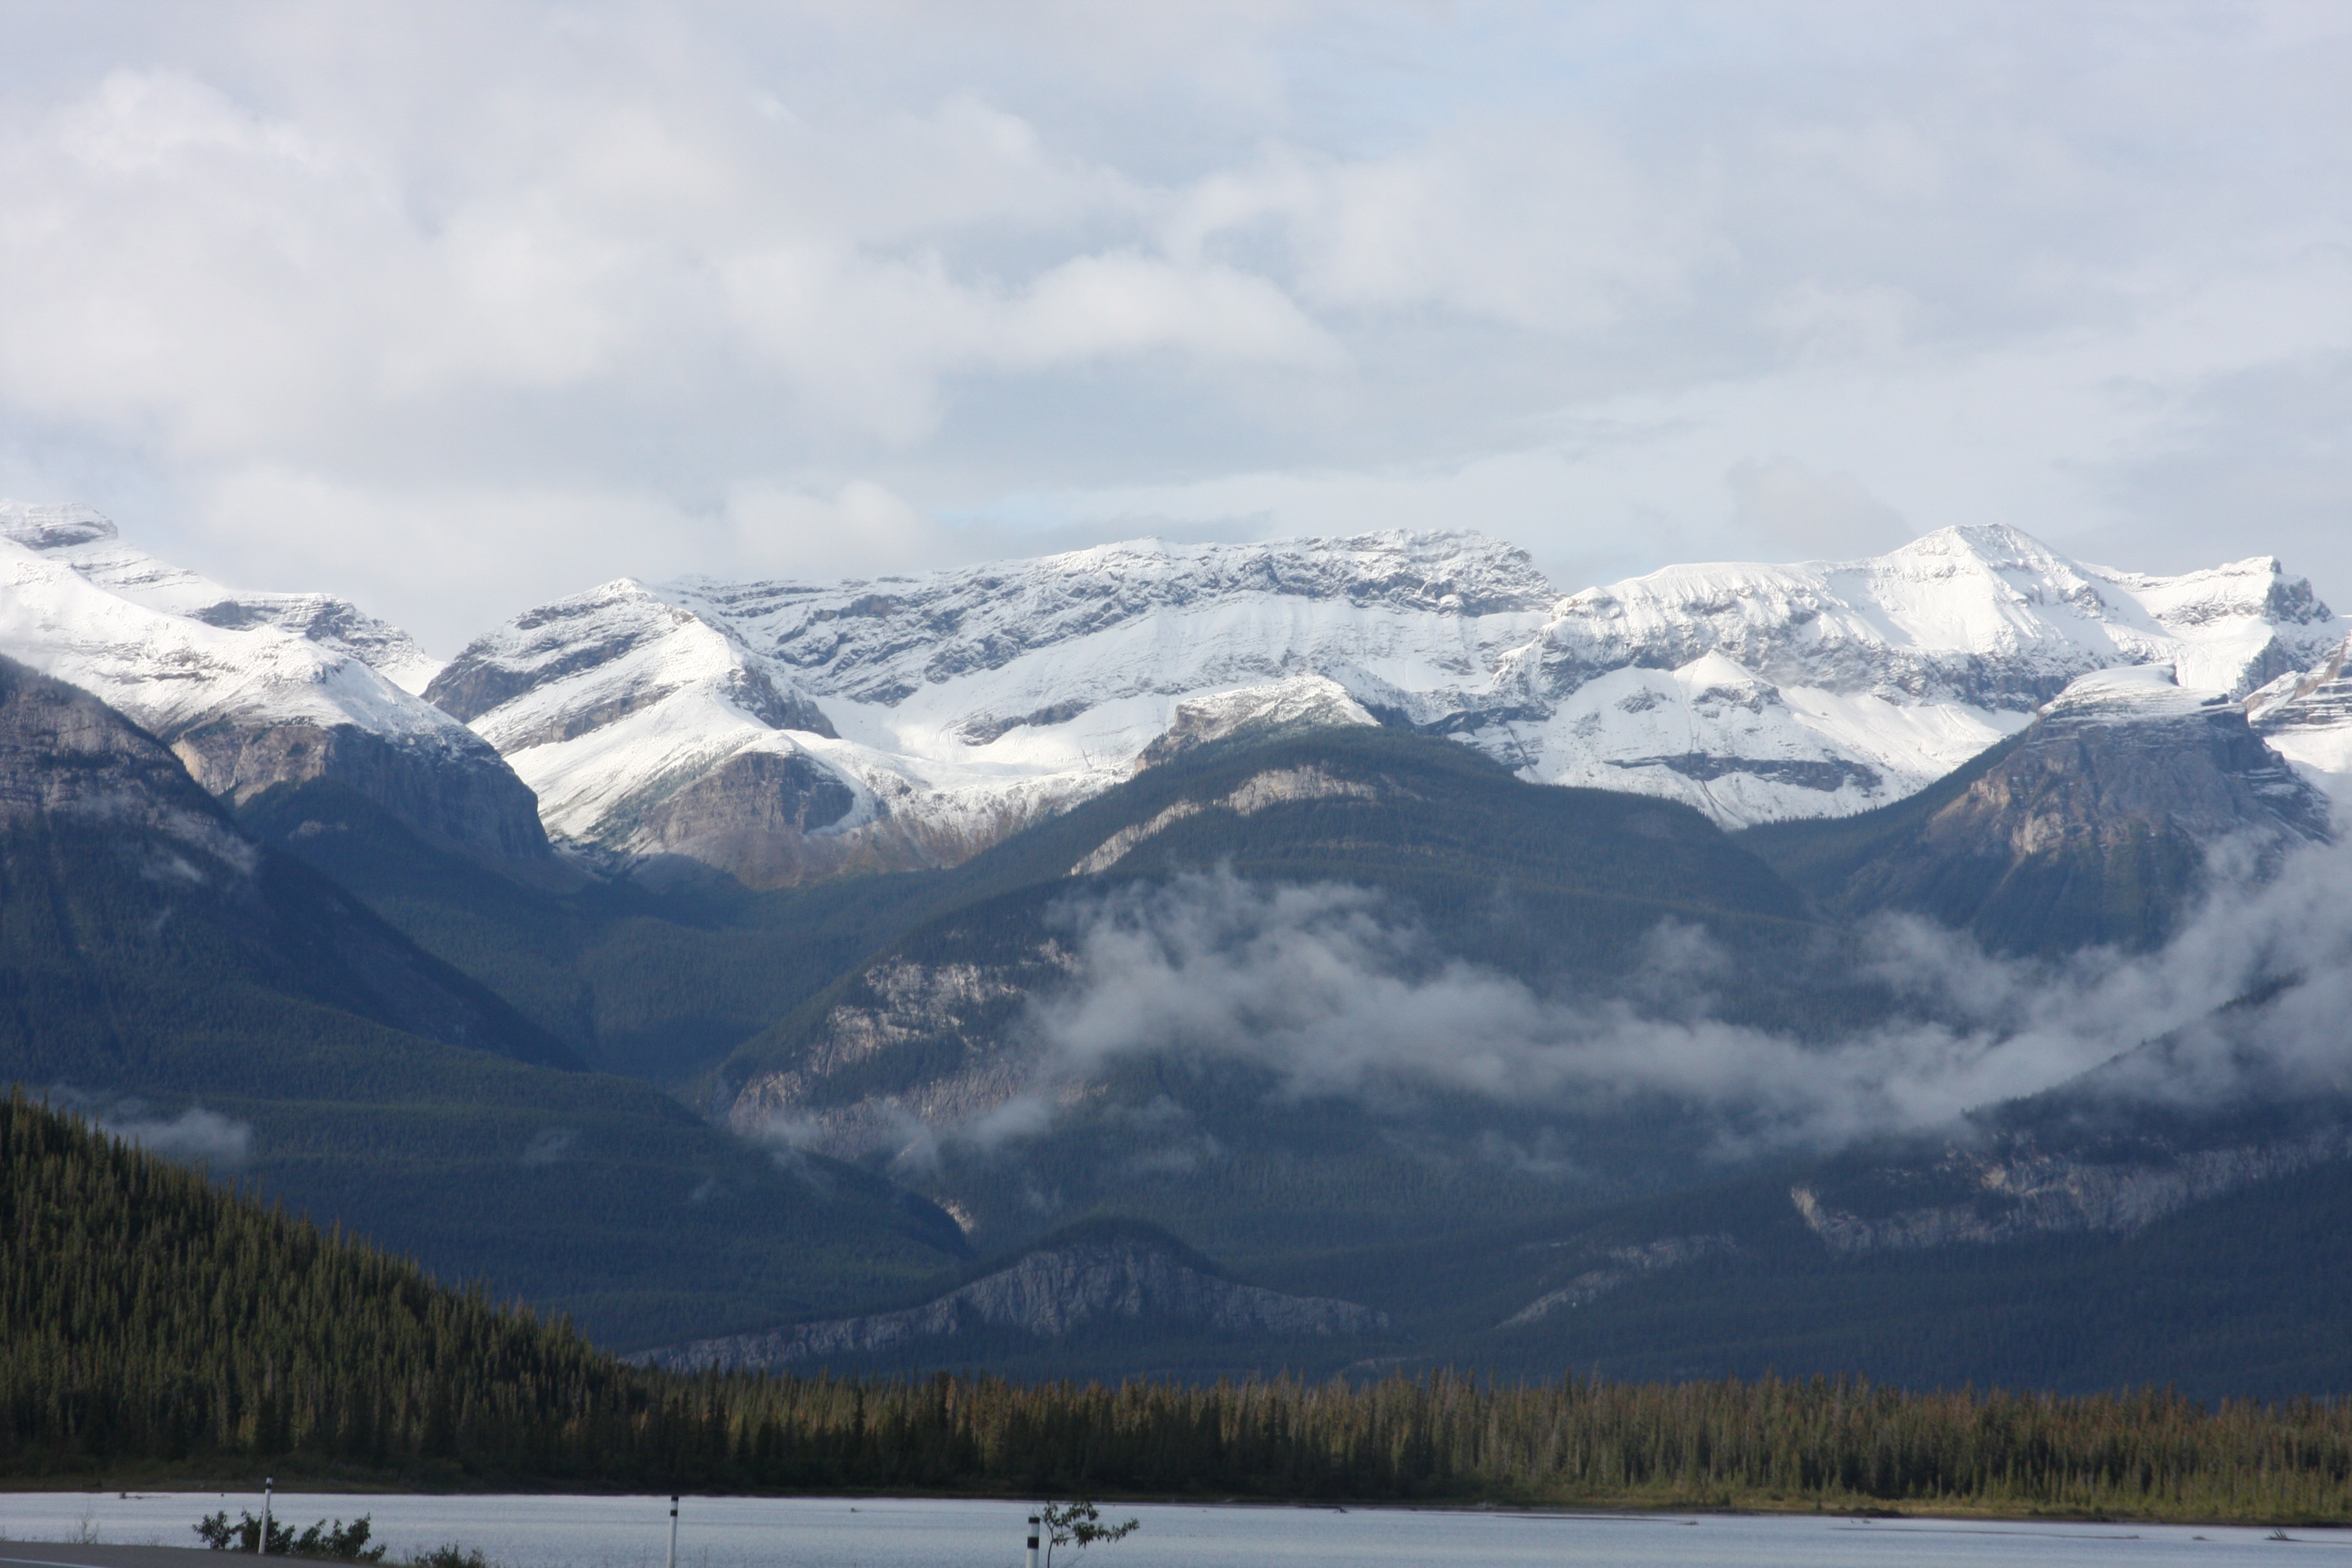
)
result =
(1032, 1540)
(673, 1530)
(268, 1485)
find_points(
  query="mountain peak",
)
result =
(54, 526)
(2133, 693)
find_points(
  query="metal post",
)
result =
(673, 1530)
(268, 1485)
(1032, 1540)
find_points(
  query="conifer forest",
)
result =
(154, 1326)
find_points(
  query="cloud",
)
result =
(196, 1136)
(1333, 992)
(550, 1144)
(1816, 516)
(564, 290)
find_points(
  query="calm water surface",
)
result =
(805, 1533)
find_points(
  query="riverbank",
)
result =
(570, 1531)
(242, 1490)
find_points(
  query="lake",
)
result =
(542, 1531)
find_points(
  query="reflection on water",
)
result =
(833, 1532)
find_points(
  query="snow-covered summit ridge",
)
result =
(2134, 694)
(53, 527)
(953, 705)
(250, 690)
(1307, 601)
(86, 540)
(76, 602)
(1757, 692)
(1983, 616)
(784, 730)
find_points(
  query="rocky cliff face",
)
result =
(257, 690)
(912, 1047)
(1049, 1293)
(2099, 822)
(64, 754)
(2013, 1191)
(451, 794)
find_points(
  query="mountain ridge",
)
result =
(963, 703)
(784, 733)
(254, 690)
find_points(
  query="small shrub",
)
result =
(451, 1556)
(338, 1542)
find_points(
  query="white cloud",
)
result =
(1796, 512)
(1557, 272)
(196, 1136)
(1336, 992)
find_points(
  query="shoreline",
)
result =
(1622, 1508)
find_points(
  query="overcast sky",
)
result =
(457, 308)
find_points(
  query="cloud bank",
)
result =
(459, 306)
(1334, 993)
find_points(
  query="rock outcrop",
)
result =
(1275, 786)
(2015, 1191)
(2098, 824)
(1050, 1293)
(1618, 1268)
(910, 1046)
(1255, 713)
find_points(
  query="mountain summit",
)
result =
(250, 690)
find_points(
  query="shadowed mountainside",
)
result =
(168, 972)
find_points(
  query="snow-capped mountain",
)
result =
(912, 721)
(783, 730)
(1759, 693)
(252, 689)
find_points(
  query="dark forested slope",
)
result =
(1426, 860)
(151, 1325)
(658, 984)
(161, 967)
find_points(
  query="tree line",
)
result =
(153, 1324)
